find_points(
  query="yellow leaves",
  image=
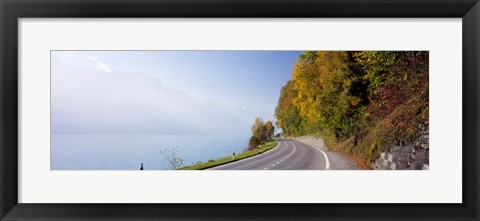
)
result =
(320, 95)
(340, 93)
(319, 83)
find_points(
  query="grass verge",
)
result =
(213, 163)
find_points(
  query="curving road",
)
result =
(292, 155)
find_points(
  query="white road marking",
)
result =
(294, 149)
(248, 158)
(327, 162)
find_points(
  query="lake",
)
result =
(126, 152)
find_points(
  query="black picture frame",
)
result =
(12, 10)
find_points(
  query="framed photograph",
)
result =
(228, 110)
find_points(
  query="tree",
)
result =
(378, 67)
(171, 159)
(253, 143)
(374, 96)
(328, 93)
(287, 114)
(258, 129)
(331, 90)
(269, 129)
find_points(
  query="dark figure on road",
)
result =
(141, 166)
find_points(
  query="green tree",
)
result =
(378, 68)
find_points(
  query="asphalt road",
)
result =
(292, 155)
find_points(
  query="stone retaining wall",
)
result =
(407, 156)
(402, 156)
(312, 141)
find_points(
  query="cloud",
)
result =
(244, 108)
(91, 57)
(103, 67)
(100, 65)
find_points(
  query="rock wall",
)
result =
(407, 156)
(402, 156)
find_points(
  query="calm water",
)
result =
(126, 152)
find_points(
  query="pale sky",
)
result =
(174, 92)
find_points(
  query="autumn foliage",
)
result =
(348, 96)
(261, 133)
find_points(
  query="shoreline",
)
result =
(228, 159)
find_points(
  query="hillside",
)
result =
(368, 105)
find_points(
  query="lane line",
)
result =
(246, 159)
(327, 162)
(294, 149)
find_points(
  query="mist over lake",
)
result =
(113, 110)
(126, 152)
